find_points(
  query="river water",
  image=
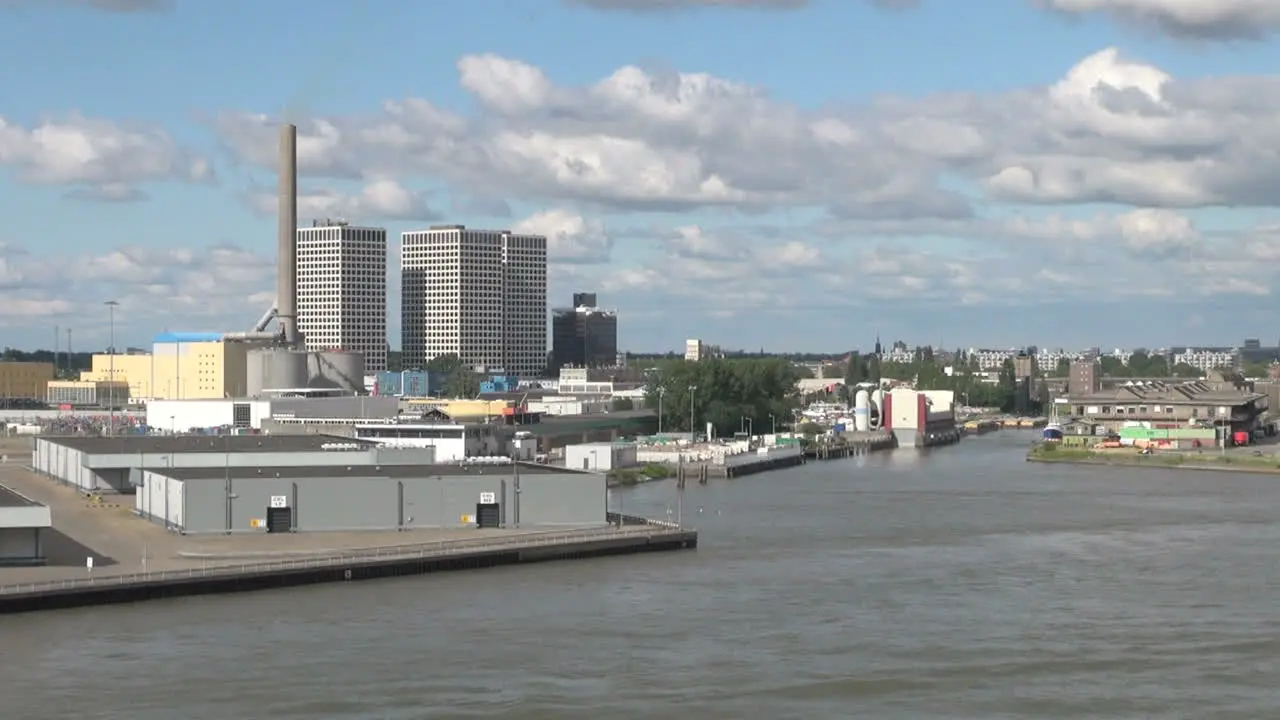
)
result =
(956, 583)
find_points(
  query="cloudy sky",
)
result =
(767, 173)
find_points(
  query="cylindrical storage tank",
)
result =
(877, 408)
(862, 411)
(338, 369)
(275, 369)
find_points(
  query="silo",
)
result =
(862, 411)
(877, 408)
(337, 369)
(275, 369)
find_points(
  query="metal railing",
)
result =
(441, 548)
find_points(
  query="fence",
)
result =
(442, 548)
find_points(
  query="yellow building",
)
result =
(25, 379)
(87, 393)
(464, 409)
(181, 366)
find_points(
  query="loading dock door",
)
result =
(279, 519)
(488, 515)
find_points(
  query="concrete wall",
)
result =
(764, 454)
(374, 407)
(561, 499)
(601, 457)
(160, 499)
(373, 503)
(20, 546)
(26, 516)
(318, 458)
(65, 465)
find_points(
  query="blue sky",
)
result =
(968, 174)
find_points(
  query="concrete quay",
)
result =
(134, 560)
(633, 535)
(851, 445)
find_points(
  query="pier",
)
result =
(851, 446)
(232, 573)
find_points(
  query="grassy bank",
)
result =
(1207, 460)
(635, 476)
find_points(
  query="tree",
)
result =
(459, 381)
(1112, 367)
(462, 383)
(810, 430)
(622, 405)
(1063, 368)
(1007, 384)
(725, 392)
(444, 364)
(1183, 370)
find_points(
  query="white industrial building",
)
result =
(114, 464)
(183, 416)
(23, 522)
(601, 457)
(452, 442)
(477, 294)
(557, 405)
(342, 289)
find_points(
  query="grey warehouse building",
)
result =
(113, 464)
(23, 522)
(389, 497)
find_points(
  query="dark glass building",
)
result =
(584, 335)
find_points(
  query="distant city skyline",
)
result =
(1083, 168)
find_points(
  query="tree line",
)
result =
(733, 394)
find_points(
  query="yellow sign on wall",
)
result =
(468, 519)
(257, 523)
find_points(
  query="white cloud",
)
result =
(965, 198)
(571, 238)
(958, 198)
(376, 202)
(1111, 130)
(103, 159)
(1194, 19)
(217, 288)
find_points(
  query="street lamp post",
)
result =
(693, 389)
(111, 365)
(774, 422)
(751, 426)
(661, 392)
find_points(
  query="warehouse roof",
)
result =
(129, 444)
(362, 471)
(13, 498)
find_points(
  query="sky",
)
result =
(774, 174)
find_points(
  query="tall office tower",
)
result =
(584, 335)
(477, 294)
(342, 289)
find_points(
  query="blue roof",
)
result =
(187, 337)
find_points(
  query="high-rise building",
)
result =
(342, 289)
(584, 335)
(477, 294)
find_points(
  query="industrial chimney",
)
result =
(287, 238)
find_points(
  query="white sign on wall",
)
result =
(279, 501)
(488, 498)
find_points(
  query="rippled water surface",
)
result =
(961, 583)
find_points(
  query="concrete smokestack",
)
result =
(287, 237)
